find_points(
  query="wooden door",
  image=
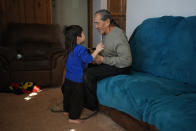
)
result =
(118, 11)
(25, 11)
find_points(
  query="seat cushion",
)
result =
(172, 113)
(131, 93)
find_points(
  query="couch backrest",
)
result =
(47, 33)
(166, 47)
(34, 40)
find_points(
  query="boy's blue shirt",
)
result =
(76, 62)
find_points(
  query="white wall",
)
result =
(69, 12)
(97, 5)
(138, 10)
(96, 36)
(104, 4)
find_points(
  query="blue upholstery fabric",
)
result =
(167, 104)
(162, 88)
(172, 113)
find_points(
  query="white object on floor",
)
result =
(33, 94)
(27, 98)
(72, 130)
(30, 96)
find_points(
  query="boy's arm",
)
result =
(99, 48)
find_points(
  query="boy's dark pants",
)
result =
(73, 98)
(93, 74)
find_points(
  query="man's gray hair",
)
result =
(105, 14)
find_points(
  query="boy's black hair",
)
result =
(71, 32)
(105, 14)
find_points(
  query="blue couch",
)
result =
(161, 87)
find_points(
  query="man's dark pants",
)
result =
(92, 75)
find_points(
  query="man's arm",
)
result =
(123, 58)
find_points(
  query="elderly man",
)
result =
(115, 59)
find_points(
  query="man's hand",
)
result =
(99, 47)
(99, 59)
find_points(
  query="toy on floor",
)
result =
(24, 87)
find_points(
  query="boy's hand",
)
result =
(99, 48)
(90, 50)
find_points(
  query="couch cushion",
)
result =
(34, 50)
(166, 47)
(172, 113)
(43, 33)
(132, 93)
(21, 65)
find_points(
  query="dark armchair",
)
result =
(34, 52)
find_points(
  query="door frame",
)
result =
(90, 23)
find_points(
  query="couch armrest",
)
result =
(56, 51)
(58, 67)
(3, 64)
(8, 54)
(55, 54)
